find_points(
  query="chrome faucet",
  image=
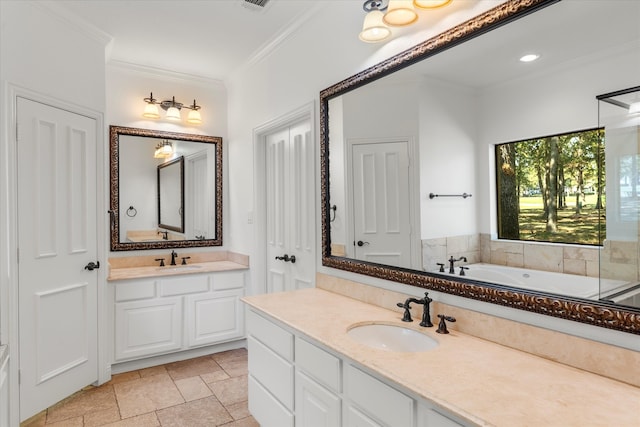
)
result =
(452, 261)
(173, 257)
(426, 313)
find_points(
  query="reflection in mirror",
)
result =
(192, 215)
(171, 195)
(445, 106)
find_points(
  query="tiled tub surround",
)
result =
(478, 381)
(616, 260)
(609, 361)
(122, 268)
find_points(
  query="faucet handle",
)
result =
(462, 269)
(161, 261)
(441, 267)
(442, 326)
(184, 259)
(407, 314)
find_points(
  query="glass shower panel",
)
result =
(619, 262)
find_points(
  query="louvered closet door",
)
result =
(290, 208)
(57, 239)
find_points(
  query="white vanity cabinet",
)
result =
(159, 315)
(293, 381)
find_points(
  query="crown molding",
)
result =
(288, 31)
(166, 74)
(73, 20)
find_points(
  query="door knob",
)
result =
(92, 266)
(361, 243)
(287, 258)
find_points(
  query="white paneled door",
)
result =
(381, 209)
(290, 209)
(57, 254)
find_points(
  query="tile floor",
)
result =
(205, 391)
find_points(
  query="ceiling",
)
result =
(201, 38)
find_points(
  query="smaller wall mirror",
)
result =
(171, 195)
(166, 189)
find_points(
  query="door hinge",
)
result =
(19, 376)
(18, 255)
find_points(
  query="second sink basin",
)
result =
(391, 337)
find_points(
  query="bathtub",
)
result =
(543, 281)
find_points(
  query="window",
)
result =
(551, 189)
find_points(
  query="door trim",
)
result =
(259, 257)
(9, 295)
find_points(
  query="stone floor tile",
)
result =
(212, 377)
(192, 367)
(147, 394)
(235, 367)
(146, 420)
(207, 412)
(193, 388)
(82, 403)
(240, 353)
(154, 370)
(71, 422)
(238, 410)
(245, 422)
(123, 377)
(100, 418)
(230, 391)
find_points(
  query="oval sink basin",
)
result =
(392, 338)
(179, 268)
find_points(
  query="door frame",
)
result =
(9, 295)
(414, 193)
(259, 258)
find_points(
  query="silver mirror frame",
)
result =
(603, 314)
(114, 207)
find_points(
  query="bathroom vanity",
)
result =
(303, 366)
(173, 308)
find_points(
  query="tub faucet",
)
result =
(426, 313)
(173, 257)
(452, 261)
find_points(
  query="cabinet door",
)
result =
(355, 418)
(149, 327)
(315, 405)
(429, 417)
(214, 317)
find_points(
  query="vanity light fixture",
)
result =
(373, 29)
(400, 13)
(164, 149)
(172, 108)
(430, 4)
(395, 13)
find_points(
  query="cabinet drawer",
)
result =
(267, 411)
(317, 363)
(273, 336)
(130, 291)
(228, 280)
(382, 402)
(272, 371)
(190, 284)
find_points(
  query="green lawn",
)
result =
(582, 228)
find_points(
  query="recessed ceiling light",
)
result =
(529, 57)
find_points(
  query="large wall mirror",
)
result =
(166, 189)
(410, 173)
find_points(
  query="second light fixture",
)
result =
(394, 13)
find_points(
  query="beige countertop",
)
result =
(138, 267)
(480, 381)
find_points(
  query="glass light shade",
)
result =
(194, 117)
(634, 108)
(400, 13)
(430, 4)
(373, 29)
(173, 113)
(151, 111)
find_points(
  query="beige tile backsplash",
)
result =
(610, 361)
